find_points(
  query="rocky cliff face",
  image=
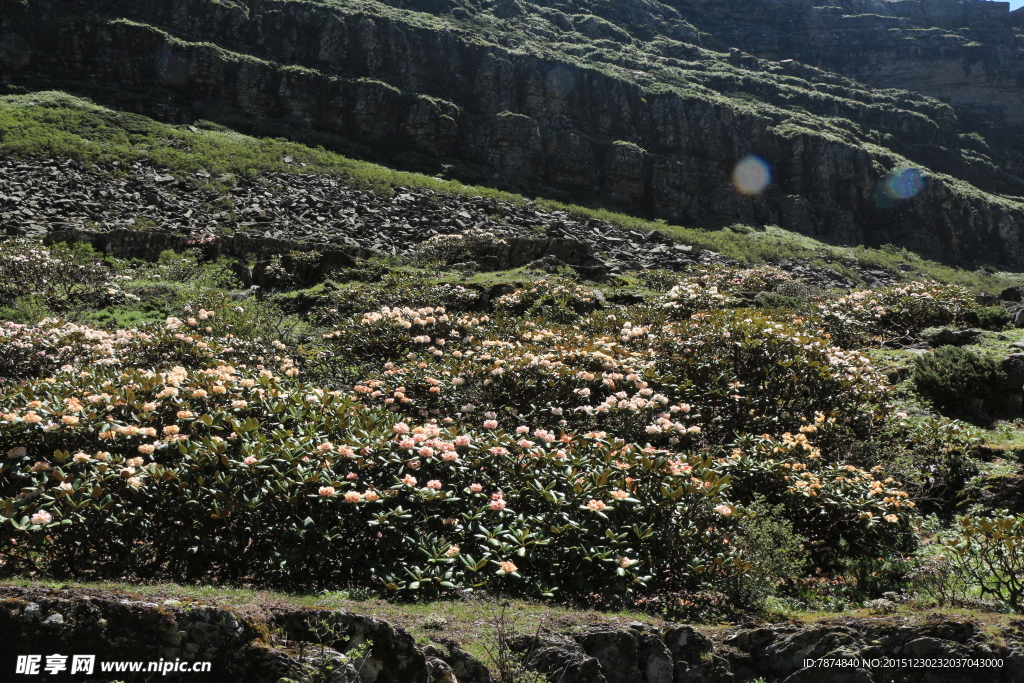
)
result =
(632, 104)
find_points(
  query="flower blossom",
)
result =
(41, 517)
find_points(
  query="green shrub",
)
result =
(988, 318)
(775, 552)
(980, 557)
(25, 310)
(958, 381)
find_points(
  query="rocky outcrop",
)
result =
(151, 211)
(301, 644)
(656, 131)
(962, 51)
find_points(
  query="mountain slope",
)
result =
(635, 105)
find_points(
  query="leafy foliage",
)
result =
(958, 380)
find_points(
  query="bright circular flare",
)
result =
(904, 183)
(751, 175)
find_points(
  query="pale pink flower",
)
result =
(251, 460)
(596, 505)
(476, 488)
(370, 496)
(401, 428)
(351, 476)
(462, 440)
(619, 494)
(508, 567)
(522, 429)
(497, 505)
(326, 491)
(353, 497)
(723, 510)
(409, 480)
(490, 424)
(434, 484)
(41, 517)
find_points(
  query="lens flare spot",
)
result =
(904, 183)
(751, 175)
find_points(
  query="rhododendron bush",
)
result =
(644, 377)
(247, 472)
(233, 474)
(553, 445)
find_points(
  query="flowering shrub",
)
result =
(826, 501)
(34, 350)
(674, 385)
(60, 274)
(545, 447)
(898, 311)
(395, 289)
(688, 298)
(468, 245)
(226, 473)
(554, 299)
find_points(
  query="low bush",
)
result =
(981, 557)
(767, 540)
(988, 318)
(958, 381)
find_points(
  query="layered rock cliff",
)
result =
(634, 104)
